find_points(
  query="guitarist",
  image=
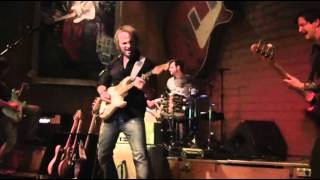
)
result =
(8, 127)
(130, 119)
(308, 22)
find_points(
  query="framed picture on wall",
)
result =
(72, 41)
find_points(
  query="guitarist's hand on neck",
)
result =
(294, 82)
(139, 83)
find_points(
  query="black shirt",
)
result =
(115, 73)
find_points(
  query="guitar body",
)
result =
(117, 94)
(53, 164)
(15, 116)
(89, 12)
(86, 7)
(65, 166)
(190, 26)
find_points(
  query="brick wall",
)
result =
(252, 88)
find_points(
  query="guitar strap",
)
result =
(137, 67)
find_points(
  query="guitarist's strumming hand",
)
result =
(294, 82)
(104, 94)
(12, 105)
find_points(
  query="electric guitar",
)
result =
(86, 7)
(118, 92)
(66, 165)
(267, 52)
(60, 152)
(86, 154)
(13, 114)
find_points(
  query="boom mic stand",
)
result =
(222, 70)
(19, 40)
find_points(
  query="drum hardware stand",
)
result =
(222, 70)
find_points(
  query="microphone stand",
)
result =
(20, 39)
(222, 70)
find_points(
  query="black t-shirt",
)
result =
(115, 73)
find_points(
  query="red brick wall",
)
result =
(252, 88)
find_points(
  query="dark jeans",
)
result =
(134, 129)
(315, 160)
(29, 123)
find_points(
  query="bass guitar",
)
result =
(15, 114)
(60, 152)
(266, 51)
(118, 92)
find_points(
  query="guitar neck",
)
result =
(68, 16)
(91, 131)
(72, 132)
(131, 85)
(280, 69)
(4, 104)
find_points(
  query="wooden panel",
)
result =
(211, 169)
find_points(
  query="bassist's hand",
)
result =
(294, 82)
(14, 105)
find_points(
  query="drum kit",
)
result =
(180, 116)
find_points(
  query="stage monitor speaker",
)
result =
(257, 140)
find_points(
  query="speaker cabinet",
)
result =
(257, 140)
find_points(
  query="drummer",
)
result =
(178, 87)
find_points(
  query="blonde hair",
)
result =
(125, 28)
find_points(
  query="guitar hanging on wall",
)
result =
(190, 28)
(86, 10)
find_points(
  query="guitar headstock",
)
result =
(265, 50)
(96, 105)
(78, 115)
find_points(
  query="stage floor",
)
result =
(182, 168)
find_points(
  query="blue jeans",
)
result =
(134, 130)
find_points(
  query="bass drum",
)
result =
(173, 106)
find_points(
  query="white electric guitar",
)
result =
(87, 9)
(120, 91)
